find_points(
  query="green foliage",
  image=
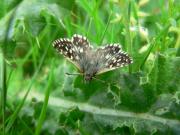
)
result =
(37, 97)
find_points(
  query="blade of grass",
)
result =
(3, 68)
(178, 52)
(10, 108)
(3, 8)
(127, 15)
(15, 114)
(89, 27)
(4, 90)
(26, 126)
(46, 99)
(9, 76)
(153, 43)
(107, 25)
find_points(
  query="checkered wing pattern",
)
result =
(112, 57)
(88, 60)
(73, 49)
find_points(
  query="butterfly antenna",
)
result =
(105, 82)
(73, 74)
(99, 80)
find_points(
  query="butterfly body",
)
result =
(88, 60)
(90, 64)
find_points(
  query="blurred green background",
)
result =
(37, 97)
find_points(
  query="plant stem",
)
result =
(127, 15)
(3, 89)
(46, 99)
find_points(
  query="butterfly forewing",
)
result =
(65, 47)
(73, 49)
(80, 42)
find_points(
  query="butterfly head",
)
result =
(89, 72)
(88, 77)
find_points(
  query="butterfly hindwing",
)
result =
(112, 57)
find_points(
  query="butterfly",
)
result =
(89, 61)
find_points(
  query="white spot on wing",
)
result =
(113, 58)
(81, 50)
(70, 50)
(77, 57)
(119, 59)
(107, 56)
(114, 61)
